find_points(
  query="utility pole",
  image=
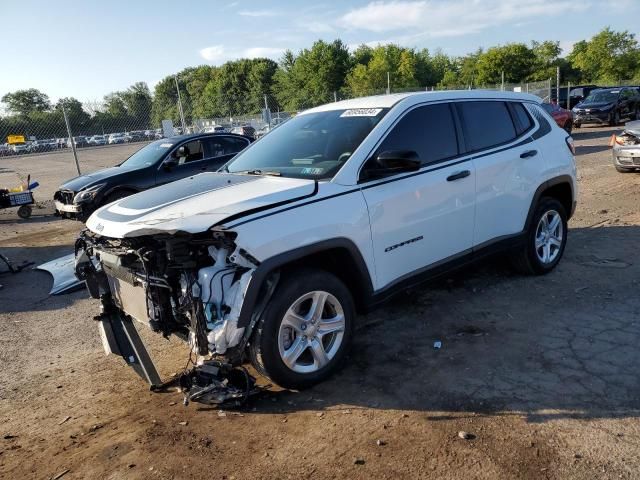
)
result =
(502, 88)
(71, 140)
(180, 110)
(388, 84)
(335, 96)
(267, 113)
(558, 85)
(568, 91)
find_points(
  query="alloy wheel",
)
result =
(311, 332)
(549, 236)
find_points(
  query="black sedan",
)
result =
(607, 106)
(159, 162)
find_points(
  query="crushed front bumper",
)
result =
(600, 118)
(626, 156)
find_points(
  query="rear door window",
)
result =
(486, 124)
(522, 119)
(221, 146)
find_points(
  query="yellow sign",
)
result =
(11, 139)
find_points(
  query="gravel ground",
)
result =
(540, 372)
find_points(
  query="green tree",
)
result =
(609, 56)
(516, 60)
(137, 103)
(23, 102)
(311, 77)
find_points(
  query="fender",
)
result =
(540, 190)
(128, 188)
(272, 264)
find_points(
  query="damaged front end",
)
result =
(191, 286)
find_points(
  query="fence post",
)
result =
(568, 91)
(180, 110)
(71, 140)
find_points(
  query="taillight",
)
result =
(570, 144)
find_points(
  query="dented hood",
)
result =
(195, 204)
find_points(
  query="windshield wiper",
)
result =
(260, 172)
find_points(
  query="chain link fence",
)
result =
(74, 125)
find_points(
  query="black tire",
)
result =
(264, 346)
(115, 196)
(526, 260)
(623, 170)
(614, 119)
(577, 125)
(25, 211)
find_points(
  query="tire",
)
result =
(115, 196)
(568, 126)
(25, 211)
(614, 119)
(275, 338)
(623, 170)
(530, 260)
(577, 125)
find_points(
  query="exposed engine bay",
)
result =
(191, 286)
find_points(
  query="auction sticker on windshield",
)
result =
(361, 112)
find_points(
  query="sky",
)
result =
(88, 49)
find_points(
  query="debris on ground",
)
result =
(358, 461)
(437, 344)
(61, 474)
(65, 419)
(381, 443)
(466, 435)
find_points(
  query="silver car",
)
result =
(626, 148)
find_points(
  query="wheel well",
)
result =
(563, 193)
(340, 263)
(130, 191)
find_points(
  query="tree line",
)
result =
(321, 73)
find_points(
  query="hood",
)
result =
(83, 181)
(594, 105)
(195, 204)
(633, 127)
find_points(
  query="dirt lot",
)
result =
(543, 372)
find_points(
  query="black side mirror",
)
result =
(391, 162)
(170, 163)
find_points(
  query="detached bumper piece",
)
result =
(210, 383)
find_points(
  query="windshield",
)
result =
(313, 146)
(148, 155)
(603, 97)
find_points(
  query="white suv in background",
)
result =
(328, 215)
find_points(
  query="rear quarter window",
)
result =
(522, 119)
(486, 124)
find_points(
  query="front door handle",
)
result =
(528, 154)
(458, 175)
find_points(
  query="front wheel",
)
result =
(545, 240)
(305, 331)
(614, 119)
(25, 211)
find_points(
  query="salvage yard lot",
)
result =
(542, 372)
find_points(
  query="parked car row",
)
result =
(608, 106)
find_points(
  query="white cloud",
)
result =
(218, 54)
(214, 54)
(259, 52)
(566, 46)
(317, 27)
(446, 18)
(257, 13)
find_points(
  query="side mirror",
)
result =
(170, 163)
(391, 162)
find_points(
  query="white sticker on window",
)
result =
(361, 112)
(166, 145)
(312, 171)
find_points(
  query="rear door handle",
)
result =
(458, 175)
(529, 153)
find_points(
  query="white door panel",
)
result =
(420, 220)
(505, 184)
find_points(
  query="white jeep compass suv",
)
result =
(271, 258)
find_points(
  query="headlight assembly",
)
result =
(88, 194)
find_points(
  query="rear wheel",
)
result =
(568, 126)
(305, 331)
(25, 211)
(545, 239)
